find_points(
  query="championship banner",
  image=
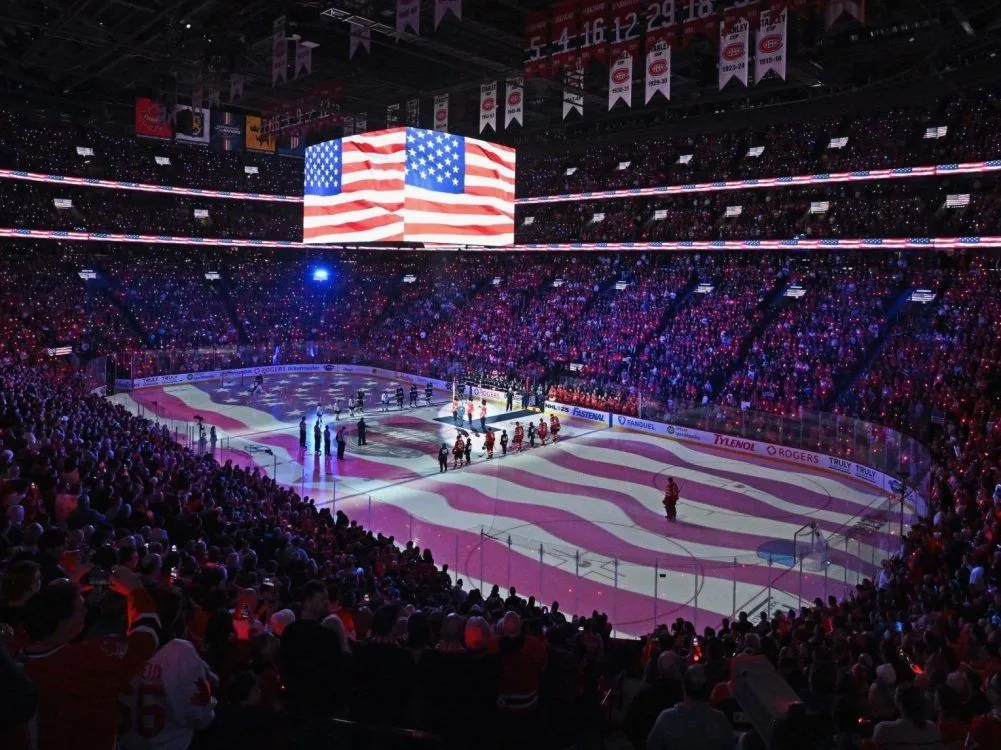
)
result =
(488, 106)
(408, 16)
(593, 31)
(361, 123)
(152, 120)
(658, 71)
(235, 87)
(360, 37)
(414, 113)
(563, 36)
(303, 60)
(514, 102)
(292, 142)
(837, 9)
(536, 62)
(348, 124)
(197, 133)
(441, 7)
(279, 52)
(573, 96)
(255, 141)
(227, 132)
(733, 52)
(620, 81)
(392, 115)
(770, 49)
(699, 19)
(197, 96)
(441, 113)
(624, 27)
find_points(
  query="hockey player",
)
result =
(503, 442)
(554, 426)
(671, 496)
(302, 434)
(351, 406)
(317, 437)
(483, 415)
(519, 436)
(456, 419)
(428, 393)
(338, 406)
(457, 452)
(543, 431)
(469, 451)
(469, 412)
(488, 444)
(531, 434)
(443, 458)
(399, 398)
(385, 401)
(413, 396)
(360, 401)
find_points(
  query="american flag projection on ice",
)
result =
(409, 185)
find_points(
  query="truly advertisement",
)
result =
(840, 465)
(868, 475)
(793, 454)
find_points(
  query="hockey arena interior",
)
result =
(443, 375)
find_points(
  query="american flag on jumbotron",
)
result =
(409, 185)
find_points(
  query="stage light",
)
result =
(321, 274)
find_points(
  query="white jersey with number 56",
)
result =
(163, 707)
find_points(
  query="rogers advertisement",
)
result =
(152, 119)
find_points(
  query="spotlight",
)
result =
(321, 274)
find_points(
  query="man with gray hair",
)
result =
(692, 724)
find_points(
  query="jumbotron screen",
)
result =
(409, 185)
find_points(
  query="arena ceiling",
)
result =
(97, 55)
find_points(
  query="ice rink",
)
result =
(579, 521)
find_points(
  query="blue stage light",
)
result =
(321, 274)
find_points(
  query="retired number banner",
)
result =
(698, 17)
(563, 36)
(770, 50)
(624, 27)
(536, 62)
(441, 113)
(593, 32)
(488, 106)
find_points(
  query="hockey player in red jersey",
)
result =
(457, 451)
(519, 436)
(488, 444)
(554, 426)
(543, 431)
(671, 496)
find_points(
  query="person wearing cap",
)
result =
(522, 660)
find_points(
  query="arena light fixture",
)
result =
(87, 274)
(838, 142)
(251, 170)
(62, 203)
(163, 161)
(704, 287)
(84, 151)
(409, 279)
(937, 132)
(571, 171)
(321, 274)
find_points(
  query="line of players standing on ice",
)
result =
(463, 448)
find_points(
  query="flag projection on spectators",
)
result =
(620, 81)
(408, 16)
(255, 141)
(392, 115)
(514, 102)
(488, 106)
(563, 36)
(409, 185)
(191, 125)
(658, 71)
(770, 50)
(441, 113)
(733, 51)
(279, 52)
(152, 119)
(573, 96)
(227, 131)
(593, 32)
(441, 7)
(624, 27)
(536, 62)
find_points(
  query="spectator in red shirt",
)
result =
(985, 731)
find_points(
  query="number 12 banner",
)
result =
(624, 27)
